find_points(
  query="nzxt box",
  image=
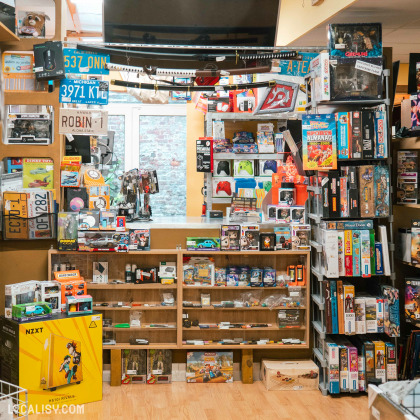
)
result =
(49, 61)
(356, 79)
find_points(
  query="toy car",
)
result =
(207, 244)
(38, 310)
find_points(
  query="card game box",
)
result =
(209, 367)
(355, 40)
(359, 79)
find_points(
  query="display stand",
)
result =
(315, 217)
(174, 338)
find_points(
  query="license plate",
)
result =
(90, 92)
(82, 62)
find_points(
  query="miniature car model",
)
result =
(208, 243)
(38, 310)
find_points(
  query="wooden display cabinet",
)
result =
(172, 338)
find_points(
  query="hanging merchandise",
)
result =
(278, 98)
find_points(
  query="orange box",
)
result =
(72, 284)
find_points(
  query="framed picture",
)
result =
(414, 73)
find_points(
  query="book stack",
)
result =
(350, 249)
(350, 313)
(354, 363)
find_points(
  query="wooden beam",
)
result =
(116, 367)
(247, 366)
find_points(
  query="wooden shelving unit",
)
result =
(176, 337)
(6, 34)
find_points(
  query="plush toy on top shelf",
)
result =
(33, 24)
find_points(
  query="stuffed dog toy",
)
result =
(33, 24)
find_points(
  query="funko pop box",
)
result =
(58, 360)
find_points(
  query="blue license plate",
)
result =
(90, 92)
(83, 62)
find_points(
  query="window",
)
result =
(152, 137)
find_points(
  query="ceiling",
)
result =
(400, 25)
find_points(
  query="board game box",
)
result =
(319, 142)
(210, 367)
(412, 299)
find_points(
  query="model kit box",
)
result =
(250, 238)
(355, 39)
(209, 367)
(140, 239)
(294, 375)
(134, 366)
(230, 237)
(205, 244)
(25, 292)
(65, 359)
(159, 367)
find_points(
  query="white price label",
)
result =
(368, 67)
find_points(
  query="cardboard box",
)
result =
(294, 375)
(209, 367)
(366, 191)
(64, 361)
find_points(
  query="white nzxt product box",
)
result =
(15, 294)
(321, 87)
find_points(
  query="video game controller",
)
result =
(270, 165)
(224, 186)
(245, 165)
(223, 166)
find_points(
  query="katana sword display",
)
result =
(187, 88)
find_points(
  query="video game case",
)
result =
(391, 295)
(349, 315)
(353, 369)
(334, 194)
(369, 353)
(361, 365)
(356, 135)
(356, 253)
(372, 252)
(380, 314)
(340, 306)
(340, 247)
(366, 191)
(365, 253)
(381, 135)
(333, 366)
(360, 311)
(370, 309)
(344, 368)
(344, 203)
(391, 362)
(348, 252)
(327, 299)
(343, 135)
(380, 368)
(381, 190)
(334, 309)
(379, 267)
(368, 134)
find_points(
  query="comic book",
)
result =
(319, 137)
